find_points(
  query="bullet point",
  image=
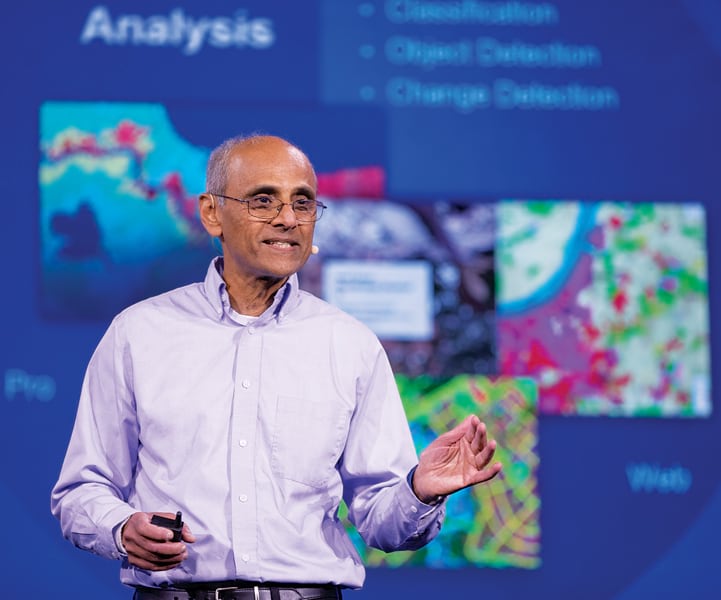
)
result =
(366, 9)
(367, 51)
(367, 93)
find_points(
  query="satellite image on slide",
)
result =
(496, 524)
(606, 306)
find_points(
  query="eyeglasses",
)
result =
(306, 210)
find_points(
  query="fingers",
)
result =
(480, 439)
(484, 457)
(154, 558)
(149, 546)
(487, 473)
(471, 431)
(459, 432)
(139, 525)
(188, 535)
(483, 460)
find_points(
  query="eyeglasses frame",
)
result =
(246, 201)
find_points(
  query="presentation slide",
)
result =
(523, 202)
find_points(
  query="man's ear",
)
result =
(209, 214)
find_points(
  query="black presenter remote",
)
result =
(175, 525)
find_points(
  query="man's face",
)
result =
(274, 249)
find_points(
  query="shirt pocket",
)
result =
(308, 439)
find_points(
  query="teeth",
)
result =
(281, 244)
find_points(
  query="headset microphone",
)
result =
(314, 249)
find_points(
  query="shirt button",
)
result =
(414, 509)
(245, 557)
(243, 498)
(245, 383)
(242, 443)
(251, 330)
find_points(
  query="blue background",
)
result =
(599, 538)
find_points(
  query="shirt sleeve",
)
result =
(90, 496)
(376, 463)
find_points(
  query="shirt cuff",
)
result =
(437, 501)
(118, 536)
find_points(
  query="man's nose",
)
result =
(286, 215)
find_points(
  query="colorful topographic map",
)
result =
(495, 524)
(118, 197)
(606, 306)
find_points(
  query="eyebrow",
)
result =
(271, 190)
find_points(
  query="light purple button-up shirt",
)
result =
(254, 431)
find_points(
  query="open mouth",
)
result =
(280, 244)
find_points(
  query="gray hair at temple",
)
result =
(216, 173)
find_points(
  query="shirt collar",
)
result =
(285, 300)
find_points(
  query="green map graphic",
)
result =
(494, 524)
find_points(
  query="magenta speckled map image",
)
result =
(606, 306)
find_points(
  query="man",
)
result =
(253, 408)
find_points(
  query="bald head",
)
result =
(216, 176)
